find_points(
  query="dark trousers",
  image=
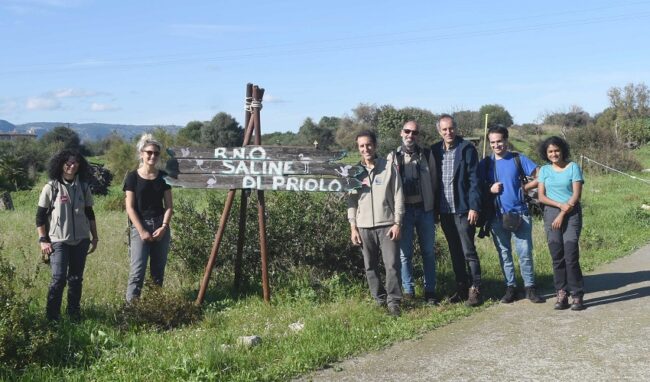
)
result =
(564, 249)
(67, 263)
(375, 242)
(460, 238)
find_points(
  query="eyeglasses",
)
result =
(150, 152)
(409, 131)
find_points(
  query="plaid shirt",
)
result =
(447, 202)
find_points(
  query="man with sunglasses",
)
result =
(417, 169)
(459, 203)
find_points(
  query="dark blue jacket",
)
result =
(467, 193)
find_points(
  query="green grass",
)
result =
(340, 326)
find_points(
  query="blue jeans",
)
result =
(67, 263)
(417, 219)
(141, 251)
(523, 238)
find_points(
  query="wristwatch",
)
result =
(43, 239)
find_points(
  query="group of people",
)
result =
(414, 186)
(401, 195)
(67, 229)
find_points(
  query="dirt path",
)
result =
(610, 340)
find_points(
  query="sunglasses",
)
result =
(150, 152)
(409, 131)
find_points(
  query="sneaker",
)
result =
(531, 294)
(562, 300)
(460, 295)
(408, 296)
(474, 297)
(394, 311)
(430, 298)
(577, 303)
(510, 295)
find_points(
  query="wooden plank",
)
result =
(277, 153)
(254, 167)
(265, 182)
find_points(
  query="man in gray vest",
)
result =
(418, 172)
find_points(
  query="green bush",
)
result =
(600, 144)
(23, 335)
(304, 230)
(161, 309)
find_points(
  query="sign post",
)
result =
(260, 168)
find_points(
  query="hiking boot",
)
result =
(460, 295)
(474, 297)
(531, 294)
(394, 311)
(510, 296)
(430, 299)
(577, 303)
(562, 300)
(408, 296)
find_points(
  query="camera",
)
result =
(411, 187)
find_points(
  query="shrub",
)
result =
(23, 335)
(304, 231)
(161, 309)
(600, 144)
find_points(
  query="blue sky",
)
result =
(171, 62)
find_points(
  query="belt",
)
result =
(415, 205)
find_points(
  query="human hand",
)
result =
(93, 245)
(145, 235)
(566, 207)
(394, 232)
(159, 233)
(496, 188)
(46, 248)
(472, 217)
(557, 222)
(355, 236)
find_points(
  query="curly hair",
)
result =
(555, 141)
(55, 169)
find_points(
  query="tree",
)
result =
(498, 115)
(222, 131)
(191, 133)
(575, 117)
(121, 157)
(62, 137)
(468, 121)
(347, 132)
(310, 132)
(630, 102)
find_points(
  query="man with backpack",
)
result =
(503, 179)
(419, 181)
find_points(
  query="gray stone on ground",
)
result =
(530, 342)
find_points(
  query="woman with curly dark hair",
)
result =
(560, 188)
(65, 221)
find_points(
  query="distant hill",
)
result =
(88, 131)
(6, 126)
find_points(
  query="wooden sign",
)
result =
(283, 153)
(277, 168)
(264, 182)
(259, 167)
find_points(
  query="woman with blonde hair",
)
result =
(149, 207)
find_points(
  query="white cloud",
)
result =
(103, 107)
(66, 93)
(42, 103)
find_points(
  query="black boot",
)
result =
(510, 296)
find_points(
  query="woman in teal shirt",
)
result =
(560, 187)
